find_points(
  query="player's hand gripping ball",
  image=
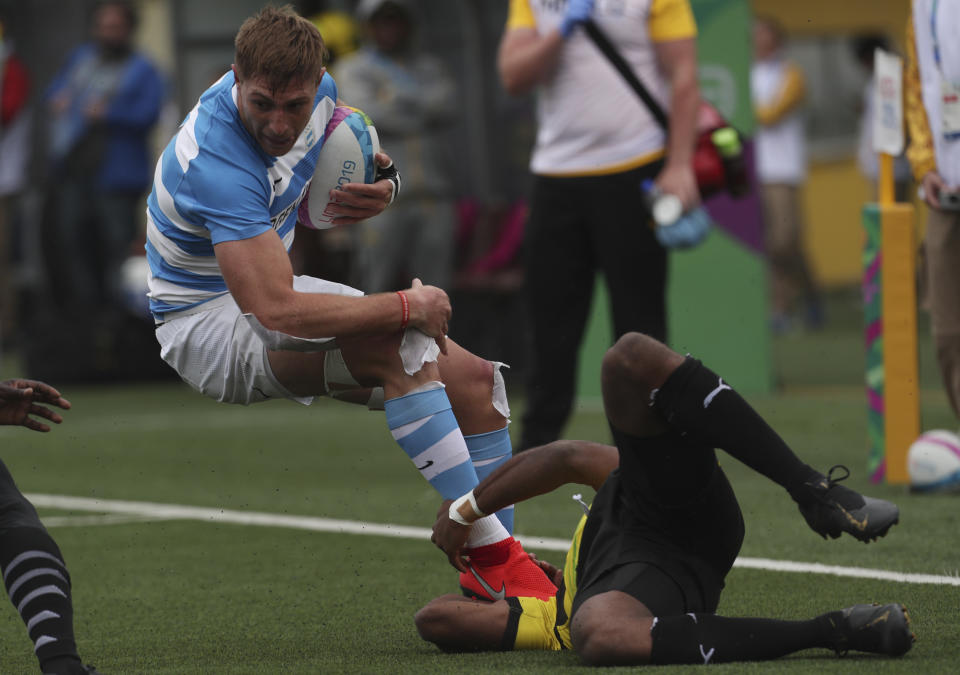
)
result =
(350, 145)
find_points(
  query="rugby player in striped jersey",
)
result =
(238, 322)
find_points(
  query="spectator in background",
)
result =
(34, 572)
(864, 47)
(412, 101)
(102, 105)
(596, 142)
(14, 150)
(777, 87)
(932, 94)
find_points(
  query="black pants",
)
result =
(577, 227)
(92, 230)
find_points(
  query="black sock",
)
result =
(697, 403)
(707, 638)
(38, 584)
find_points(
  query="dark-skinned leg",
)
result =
(616, 629)
(36, 580)
(700, 406)
(612, 629)
(684, 395)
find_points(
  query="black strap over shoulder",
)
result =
(616, 58)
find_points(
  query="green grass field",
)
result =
(187, 596)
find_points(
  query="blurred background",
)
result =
(190, 43)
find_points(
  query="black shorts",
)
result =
(665, 527)
(664, 593)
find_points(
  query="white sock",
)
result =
(488, 530)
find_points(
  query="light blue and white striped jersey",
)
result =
(214, 183)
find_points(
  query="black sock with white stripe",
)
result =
(698, 404)
(707, 638)
(38, 584)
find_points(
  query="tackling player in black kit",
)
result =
(34, 572)
(644, 572)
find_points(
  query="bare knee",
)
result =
(641, 359)
(612, 629)
(635, 366)
(431, 622)
(469, 380)
(467, 371)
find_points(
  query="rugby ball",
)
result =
(350, 144)
(933, 462)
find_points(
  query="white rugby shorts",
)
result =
(219, 352)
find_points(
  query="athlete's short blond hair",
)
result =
(279, 45)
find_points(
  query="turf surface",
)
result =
(195, 597)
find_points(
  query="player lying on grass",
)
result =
(644, 572)
(34, 572)
(239, 325)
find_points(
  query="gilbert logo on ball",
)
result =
(933, 462)
(350, 144)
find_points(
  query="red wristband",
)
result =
(405, 309)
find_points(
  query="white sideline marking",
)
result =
(156, 511)
(106, 519)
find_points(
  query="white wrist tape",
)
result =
(473, 503)
(465, 516)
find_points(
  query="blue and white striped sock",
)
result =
(423, 424)
(488, 451)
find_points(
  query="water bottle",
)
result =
(674, 228)
(665, 208)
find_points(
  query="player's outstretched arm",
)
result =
(19, 399)
(544, 469)
(531, 473)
